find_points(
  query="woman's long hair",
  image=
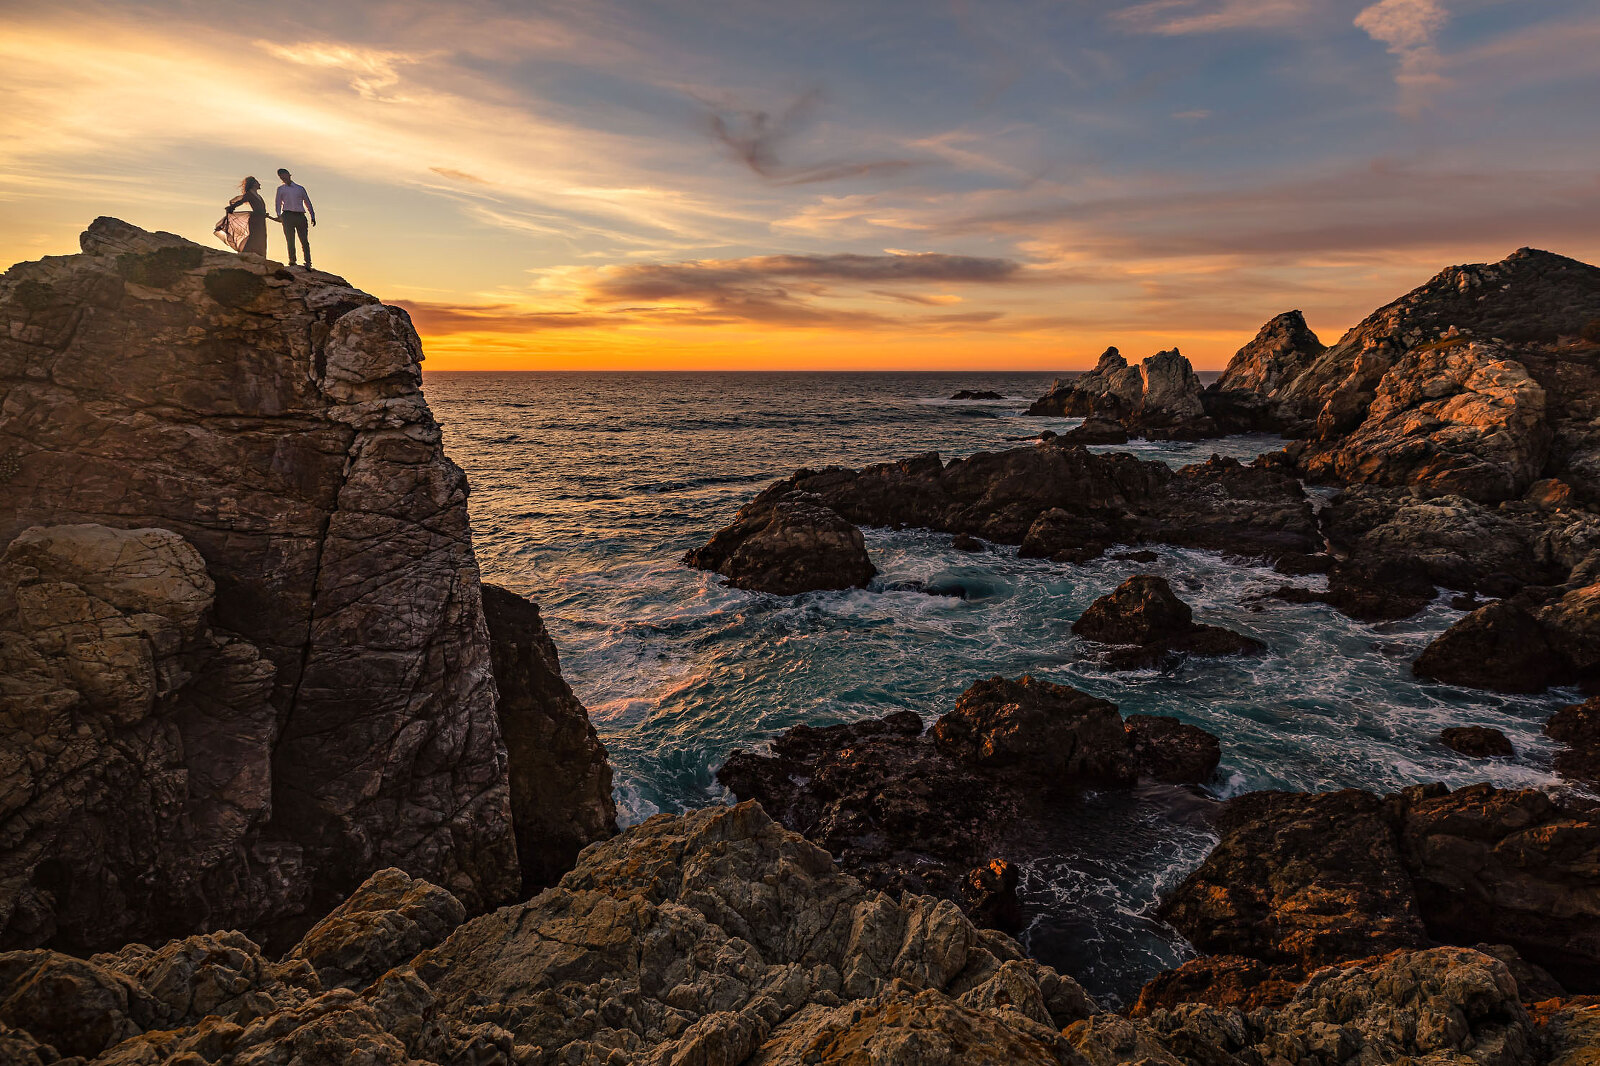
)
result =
(249, 185)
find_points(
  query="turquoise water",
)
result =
(588, 488)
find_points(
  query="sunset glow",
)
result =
(825, 186)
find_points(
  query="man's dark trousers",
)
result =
(295, 222)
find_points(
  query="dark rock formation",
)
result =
(385, 922)
(560, 779)
(963, 543)
(276, 423)
(786, 544)
(1161, 399)
(1171, 750)
(997, 777)
(1309, 880)
(1144, 615)
(1083, 502)
(1502, 646)
(1378, 588)
(1577, 726)
(1477, 742)
(1220, 981)
(1097, 430)
(976, 394)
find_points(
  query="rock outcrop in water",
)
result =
(1160, 399)
(1058, 500)
(1302, 881)
(787, 543)
(1151, 626)
(997, 777)
(1577, 728)
(714, 937)
(245, 661)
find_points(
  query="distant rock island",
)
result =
(283, 782)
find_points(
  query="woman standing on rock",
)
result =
(255, 238)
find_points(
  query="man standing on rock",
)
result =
(293, 206)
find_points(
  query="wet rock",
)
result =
(1501, 647)
(386, 921)
(1315, 879)
(560, 778)
(1139, 556)
(989, 896)
(976, 394)
(786, 546)
(1104, 499)
(1476, 742)
(1577, 726)
(1233, 981)
(1171, 750)
(1038, 728)
(278, 426)
(1144, 614)
(1445, 1005)
(997, 778)
(963, 543)
(1112, 389)
(1159, 399)
(1097, 431)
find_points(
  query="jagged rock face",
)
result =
(1159, 398)
(1281, 350)
(1315, 879)
(276, 423)
(1461, 419)
(718, 936)
(787, 545)
(994, 778)
(386, 921)
(1446, 1006)
(1102, 500)
(560, 779)
(1531, 296)
(1170, 391)
(111, 677)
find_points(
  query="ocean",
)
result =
(587, 488)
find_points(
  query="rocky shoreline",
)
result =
(262, 719)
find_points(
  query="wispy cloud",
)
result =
(761, 140)
(1175, 18)
(1408, 28)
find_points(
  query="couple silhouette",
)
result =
(248, 233)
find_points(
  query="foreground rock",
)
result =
(1057, 500)
(997, 777)
(560, 779)
(787, 543)
(1524, 643)
(239, 743)
(1153, 625)
(1477, 742)
(714, 937)
(1307, 880)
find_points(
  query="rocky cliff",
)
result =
(246, 659)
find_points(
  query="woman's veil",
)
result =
(234, 230)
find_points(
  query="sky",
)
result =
(771, 184)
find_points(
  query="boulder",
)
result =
(276, 423)
(1171, 750)
(1577, 727)
(1096, 430)
(787, 545)
(1501, 646)
(1233, 981)
(1036, 727)
(1151, 622)
(1314, 879)
(1477, 742)
(976, 394)
(560, 779)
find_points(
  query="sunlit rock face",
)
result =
(271, 429)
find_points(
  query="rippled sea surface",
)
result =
(588, 488)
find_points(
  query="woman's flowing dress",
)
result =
(249, 233)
